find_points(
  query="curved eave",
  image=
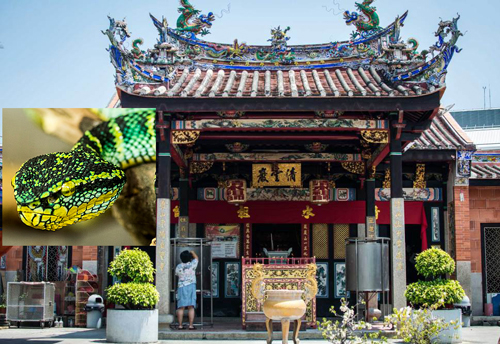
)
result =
(425, 102)
(445, 56)
(311, 47)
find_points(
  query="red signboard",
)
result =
(319, 191)
(299, 212)
(236, 191)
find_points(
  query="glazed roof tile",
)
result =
(486, 165)
(444, 133)
(288, 83)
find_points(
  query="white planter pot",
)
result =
(132, 326)
(451, 335)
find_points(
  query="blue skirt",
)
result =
(186, 296)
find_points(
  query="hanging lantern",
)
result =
(319, 191)
(236, 191)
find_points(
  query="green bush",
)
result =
(134, 295)
(135, 270)
(437, 292)
(132, 266)
(434, 262)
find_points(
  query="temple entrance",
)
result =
(276, 237)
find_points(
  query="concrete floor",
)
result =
(472, 335)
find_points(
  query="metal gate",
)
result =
(491, 246)
(46, 263)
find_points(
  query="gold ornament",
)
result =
(357, 167)
(307, 213)
(372, 172)
(366, 154)
(387, 179)
(176, 211)
(198, 167)
(375, 136)
(184, 137)
(243, 212)
(419, 182)
(311, 285)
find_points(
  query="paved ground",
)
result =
(472, 335)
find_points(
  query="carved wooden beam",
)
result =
(279, 157)
(326, 124)
(178, 156)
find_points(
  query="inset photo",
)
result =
(79, 177)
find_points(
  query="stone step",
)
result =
(240, 335)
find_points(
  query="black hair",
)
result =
(186, 257)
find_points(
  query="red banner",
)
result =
(299, 212)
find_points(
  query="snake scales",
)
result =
(59, 189)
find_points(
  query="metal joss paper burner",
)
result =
(367, 267)
(282, 304)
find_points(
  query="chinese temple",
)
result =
(288, 150)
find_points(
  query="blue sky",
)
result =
(54, 52)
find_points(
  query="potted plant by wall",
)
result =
(438, 292)
(3, 303)
(138, 321)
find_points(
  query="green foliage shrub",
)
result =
(135, 270)
(434, 262)
(439, 291)
(132, 266)
(134, 295)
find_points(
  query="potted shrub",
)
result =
(438, 292)
(138, 321)
(3, 303)
(3, 310)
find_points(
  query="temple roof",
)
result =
(317, 82)
(485, 170)
(443, 133)
(486, 165)
(374, 62)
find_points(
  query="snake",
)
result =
(59, 189)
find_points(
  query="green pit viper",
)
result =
(59, 189)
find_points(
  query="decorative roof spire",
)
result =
(367, 22)
(188, 22)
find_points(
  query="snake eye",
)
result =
(51, 199)
(34, 204)
(68, 188)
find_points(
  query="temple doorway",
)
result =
(276, 237)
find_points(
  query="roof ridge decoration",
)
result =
(188, 22)
(367, 22)
(376, 60)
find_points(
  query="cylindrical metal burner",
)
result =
(367, 264)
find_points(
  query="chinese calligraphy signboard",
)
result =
(236, 191)
(248, 241)
(319, 191)
(305, 240)
(276, 175)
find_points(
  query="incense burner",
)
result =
(284, 305)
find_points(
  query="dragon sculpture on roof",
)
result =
(280, 51)
(367, 20)
(188, 22)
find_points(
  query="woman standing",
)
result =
(186, 291)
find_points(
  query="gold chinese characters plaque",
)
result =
(276, 175)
